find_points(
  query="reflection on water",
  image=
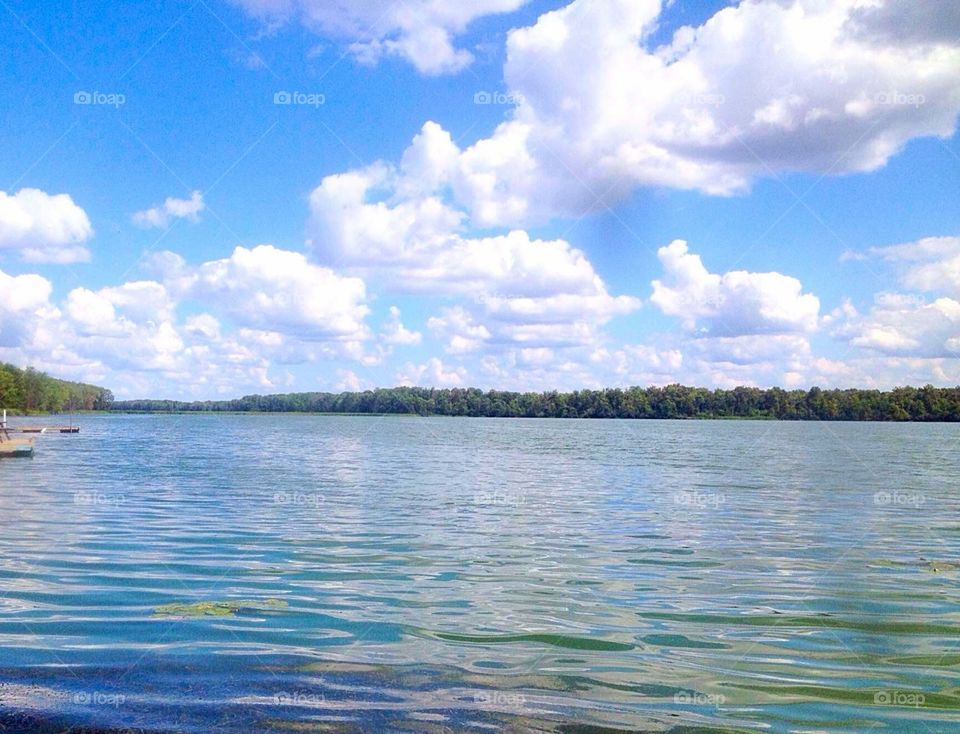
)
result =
(297, 573)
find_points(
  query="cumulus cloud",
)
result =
(922, 324)
(279, 290)
(44, 228)
(394, 225)
(898, 21)
(432, 373)
(420, 31)
(752, 350)
(736, 303)
(902, 325)
(349, 381)
(267, 307)
(24, 307)
(349, 224)
(930, 264)
(458, 329)
(96, 333)
(395, 333)
(172, 208)
(760, 88)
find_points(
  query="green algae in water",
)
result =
(570, 642)
(217, 608)
(666, 640)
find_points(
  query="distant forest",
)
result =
(675, 401)
(28, 390)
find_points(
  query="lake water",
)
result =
(364, 574)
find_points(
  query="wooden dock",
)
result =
(13, 447)
(16, 448)
(43, 429)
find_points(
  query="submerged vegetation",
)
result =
(28, 390)
(226, 608)
(674, 401)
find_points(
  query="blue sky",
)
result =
(711, 193)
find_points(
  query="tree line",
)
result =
(674, 401)
(28, 390)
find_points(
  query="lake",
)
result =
(364, 574)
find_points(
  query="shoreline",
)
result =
(320, 414)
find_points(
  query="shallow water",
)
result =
(364, 574)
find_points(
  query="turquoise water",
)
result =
(363, 574)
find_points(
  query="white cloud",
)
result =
(271, 307)
(902, 325)
(753, 350)
(392, 226)
(172, 208)
(910, 325)
(203, 325)
(278, 290)
(349, 381)
(433, 373)
(930, 264)
(24, 307)
(457, 327)
(349, 226)
(428, 162)
(761, 88)
(44, 228)
(420, 31)
(396, 334)
(733, 304)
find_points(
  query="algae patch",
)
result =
(227, 608)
